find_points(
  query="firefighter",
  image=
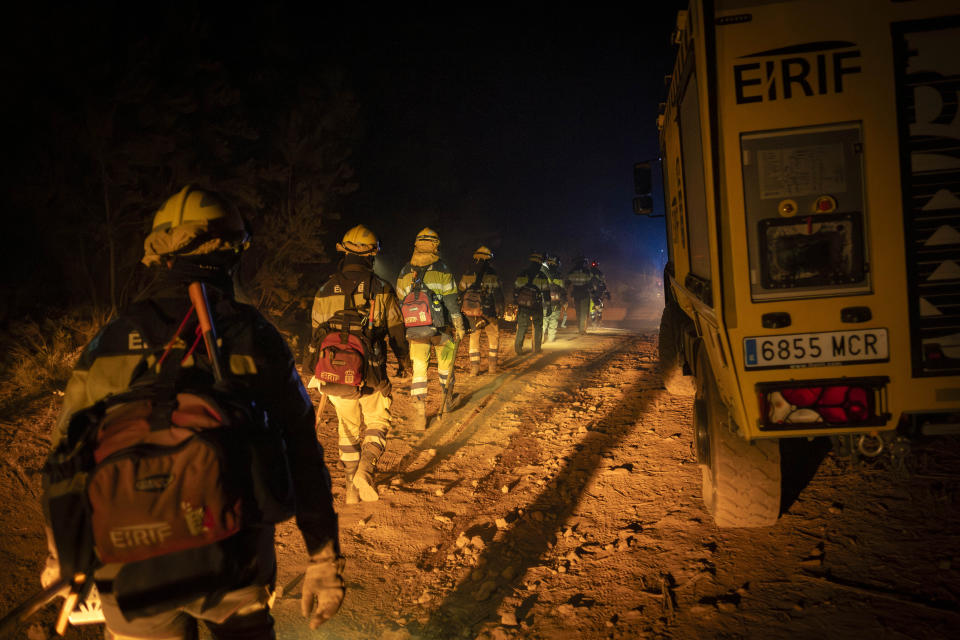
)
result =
(485, 315)
(579, 285)
(558, 297)
(528, 295)
(426, 272)
(198, 236)
(598, 293)
(377, 316)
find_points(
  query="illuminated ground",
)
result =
(561, 500)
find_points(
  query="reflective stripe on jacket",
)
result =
(491, 285)
(382, 309)
(580, 280)
(256, 359)
(437, 278)
(533, 275)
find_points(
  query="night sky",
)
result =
(518, 130)
(523, 133)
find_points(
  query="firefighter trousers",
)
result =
(241, 615)
(361, 422)
(550, 323)
(420, 354)
(493, 341)
(583, 313)
(525, 317)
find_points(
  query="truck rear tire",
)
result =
(741, 479)
(671, 362)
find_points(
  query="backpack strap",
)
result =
(418, 274)
(163, 386)
(350, 305)
(478, 283)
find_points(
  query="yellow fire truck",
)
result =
(810, 155)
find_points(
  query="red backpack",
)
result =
(422, 310)
(416, 309)
(159, 480)
(344, 351)
(342, 360)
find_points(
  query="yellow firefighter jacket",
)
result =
(437, 277)
(375, 298)
(490, 285)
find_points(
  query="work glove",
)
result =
(458, 326)
(51, 567)
(51, 571)
(323, 586)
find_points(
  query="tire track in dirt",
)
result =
(397, 529)
(479, 406)
(527, 541)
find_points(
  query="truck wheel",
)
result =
(741, 480)
(671, 364)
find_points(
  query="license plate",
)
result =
(816, 349)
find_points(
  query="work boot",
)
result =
(419, 414)
(363, 478)
(352, 496)
(492, 366)
(474, 368)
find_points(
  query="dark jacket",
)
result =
(533, 277)
(257, 362)
(580, 281)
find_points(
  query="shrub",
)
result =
(39, 356)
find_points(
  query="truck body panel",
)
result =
(811, 156)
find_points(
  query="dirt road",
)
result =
(561, 499)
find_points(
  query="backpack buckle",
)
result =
(162, 413)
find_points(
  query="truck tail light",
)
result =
(847, 402)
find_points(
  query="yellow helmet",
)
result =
(536, 256)
(483, 253)
(194, 222)
(428, 234)
(360, 241)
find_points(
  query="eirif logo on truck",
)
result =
(808, 69)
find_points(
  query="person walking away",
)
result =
(431, 312)
(578, 282)
(198, 236)
(598, 293)
(558, 297)
(356, 303)
(528, 295)
(482, 301)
